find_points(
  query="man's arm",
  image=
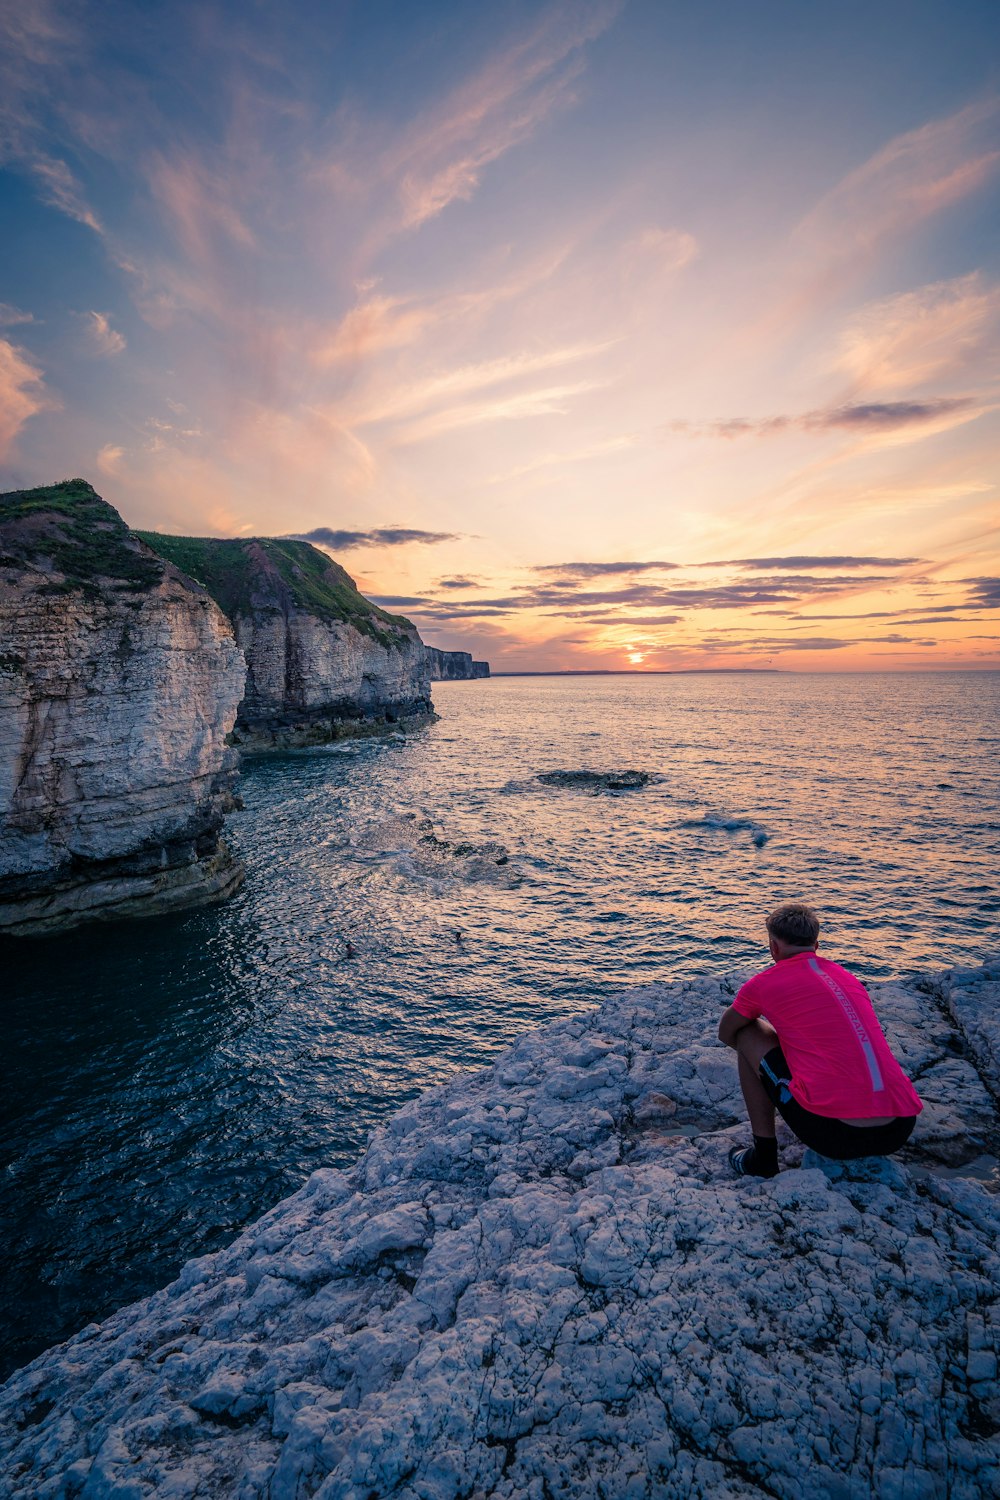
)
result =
(732, 1022)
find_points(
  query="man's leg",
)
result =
(752, 1043)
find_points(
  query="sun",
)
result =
(635, 657)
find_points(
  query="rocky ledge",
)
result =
(454, 666)
(541, 1281)
(323, 662)
(119, 681)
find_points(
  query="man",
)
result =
(810, 1046)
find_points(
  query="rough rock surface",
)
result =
(323, 662)
(119, 682)
(454, 666)
(541, 1281)
(597, 781)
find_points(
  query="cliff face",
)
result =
(452, 666)
(119, 682)
(543, 1280)
(322, 660)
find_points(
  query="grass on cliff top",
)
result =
(71, 527)
(308, 578)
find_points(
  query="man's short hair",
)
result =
(794, 923)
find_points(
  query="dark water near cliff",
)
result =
(167, 1081)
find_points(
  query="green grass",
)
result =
(86, 539)
(240, 586)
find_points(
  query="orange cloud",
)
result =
(902, 342)
(22, 393)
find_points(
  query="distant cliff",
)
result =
(449, 666)
(322, 661)
(119, 683)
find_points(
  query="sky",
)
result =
(598, 335)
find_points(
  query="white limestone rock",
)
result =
(554, 1292)
(119, 683)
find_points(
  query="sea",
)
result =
(413, 903)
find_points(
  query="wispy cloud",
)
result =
(22, 393)
(109, 459)
(902, 342)
(410, 397)
(11, 316)
(797, 564)
(60, 188)
(604, 449)
(553, 400)
(870, 417)
(599, 569)
(380, 536)
(104, 339)
(914, 176)
(502, 105)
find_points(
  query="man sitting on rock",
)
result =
(819, 1057)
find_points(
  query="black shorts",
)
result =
(829, 1137)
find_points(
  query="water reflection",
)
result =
(171, 1079)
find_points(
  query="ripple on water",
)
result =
(171, 1079)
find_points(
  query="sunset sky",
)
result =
(604, 334)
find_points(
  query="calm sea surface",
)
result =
(167, 1081)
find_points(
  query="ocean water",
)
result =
(412, 904)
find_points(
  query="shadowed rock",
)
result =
(529, 1286)
(597, 781)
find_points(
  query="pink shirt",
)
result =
(839, 1059)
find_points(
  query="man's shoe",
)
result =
(743, 1161)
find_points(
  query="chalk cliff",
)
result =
(322, 661)
(541, 1280)
(452, 666)
(119, 682)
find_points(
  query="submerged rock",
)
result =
(597, 781)
(528, 1286)
(119, 682)
(323, 662)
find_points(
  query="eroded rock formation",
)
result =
(454, 666)
(541, 1280)
(119, 682)
(322, 661)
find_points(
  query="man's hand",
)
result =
(731, 1023)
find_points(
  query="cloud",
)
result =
(498, 108)
(198, 202)
(10, 316)
(668, 249)
(372, 327)
(860, 417)
(109, 458)
(381, 536)
(907, 340)
(549, 401)
(573, 456)
(106, 340)
(913, 177)
(22, 393)
(413, 397)
(457, 583)
(799, 563)
(985, 592)
(59, 188)
(599, 569)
